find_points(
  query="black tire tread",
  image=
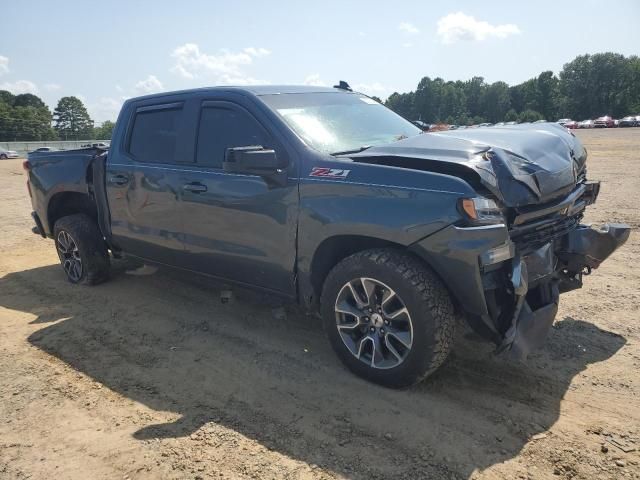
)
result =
(430, 290)
(95, 257)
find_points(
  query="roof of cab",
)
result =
(252, 89)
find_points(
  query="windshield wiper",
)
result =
(347, 152)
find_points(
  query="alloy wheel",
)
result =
(374, 323)
(69, 255)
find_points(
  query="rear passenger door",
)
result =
(237, 226)
(144, 182)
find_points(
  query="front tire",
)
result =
(81, 249)
(388, 317)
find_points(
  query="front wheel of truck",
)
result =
(81, 249)
(388, 317)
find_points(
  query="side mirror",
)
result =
(255, 160)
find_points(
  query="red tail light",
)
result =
(26, 165)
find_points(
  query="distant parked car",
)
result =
(499, 124)
(604, 122)
(629, 121)
(562, 121)
(586, 124)
(95, 145)
(486, 124)
(540, 121)
(4, 154)
(421, 125)
(511, 123)
(571, 124)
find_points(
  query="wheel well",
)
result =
(335, 249)
(332, 250)
(69, 203)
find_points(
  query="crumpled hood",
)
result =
(521, 165)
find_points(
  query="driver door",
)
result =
(236, 226)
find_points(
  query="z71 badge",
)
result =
(329, 172)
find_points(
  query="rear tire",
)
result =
(3, 156)
(401, 348)
(81, 248)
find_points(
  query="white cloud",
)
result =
(314, 80)
(375, 88)
(106, 108)
(52, 87)
(459, 26)
(151, 84)
(257, 52)
(4, 65)
(20, 86)
(223, 68)
(409, 28)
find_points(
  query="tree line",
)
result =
(587, 87)
(26, 117)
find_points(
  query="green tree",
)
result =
(6, 97)
(28, 100)
(511, 116)
(72, 121)
(475, 90)
(633, 86)
(596, 85)
(529, 116)
(24, 117)
(104, 131)
(587, 87)
(402, 104)
(497, 102)
(547, 87)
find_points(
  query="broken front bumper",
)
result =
(580, 251)
(514, 300)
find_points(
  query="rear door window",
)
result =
(223, 127)
(154, 136)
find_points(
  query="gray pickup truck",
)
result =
(325, 197)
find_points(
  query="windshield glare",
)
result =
(334, 122)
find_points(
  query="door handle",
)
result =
(194, 187)
(118, 180)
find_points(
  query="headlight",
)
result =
(481, 210)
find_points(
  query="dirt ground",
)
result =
(153, 377)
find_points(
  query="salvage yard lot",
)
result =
(152, 377)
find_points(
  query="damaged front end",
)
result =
(538, 279)
(508, 277)
(520, 243)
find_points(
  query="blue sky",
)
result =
(105, 52)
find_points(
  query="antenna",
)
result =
(342, 85)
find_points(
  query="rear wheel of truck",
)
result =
(388, 316)
(81, 249)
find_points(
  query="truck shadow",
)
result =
(166, 341)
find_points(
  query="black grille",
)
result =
(531, 236)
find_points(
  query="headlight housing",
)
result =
(481, 211)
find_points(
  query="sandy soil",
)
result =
(153, 377)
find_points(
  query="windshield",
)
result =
(335, 122)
